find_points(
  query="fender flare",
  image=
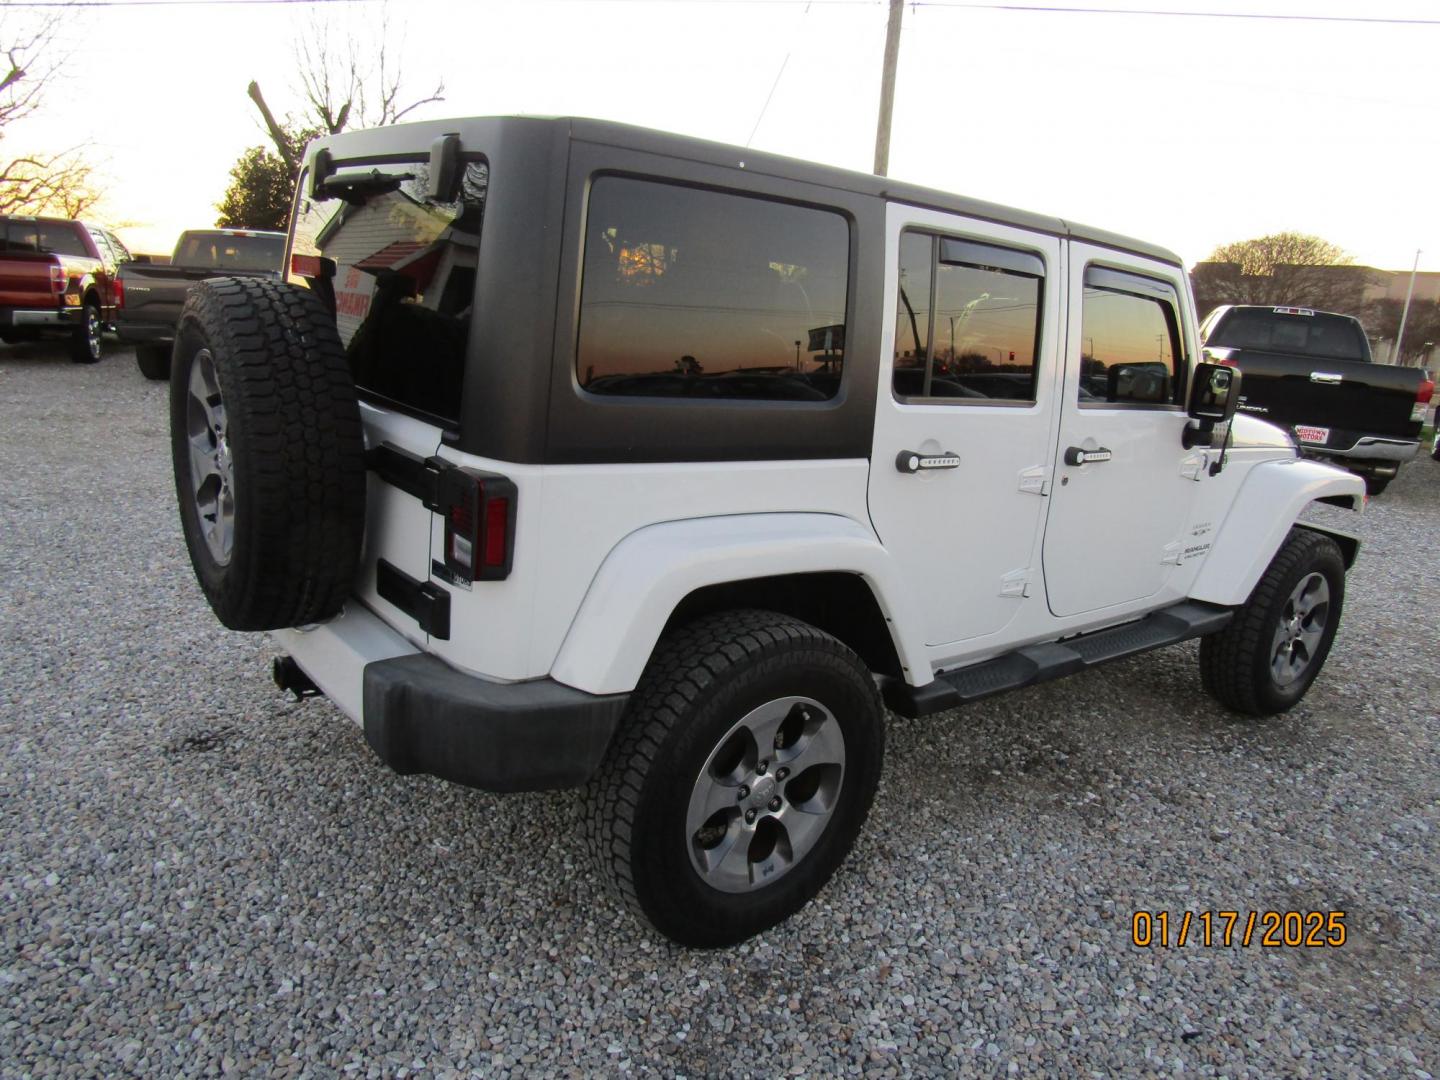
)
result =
(652, 570)
(1272, 497)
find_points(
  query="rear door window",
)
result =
(399, 271)
(44, 238)
(1298, 331)
(693, 293)
(222, 251)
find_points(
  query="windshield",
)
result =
(398, 269)
(1331, 337)
(226, 251)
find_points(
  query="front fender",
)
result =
(647, 574)
(1272, 497)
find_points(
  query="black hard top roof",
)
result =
(627, 136)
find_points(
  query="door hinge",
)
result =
(1016, 583)
(1172, 553)
(1035, 480)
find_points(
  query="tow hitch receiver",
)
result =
(288, 676)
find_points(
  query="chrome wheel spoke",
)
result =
(212, 472)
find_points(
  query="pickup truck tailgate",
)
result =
(1342, 395)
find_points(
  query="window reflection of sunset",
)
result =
(1119, 328)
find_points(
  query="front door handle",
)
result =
(913, 461)
(1077, 455)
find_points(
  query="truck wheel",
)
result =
(153, 361)
(268, 453)
(1376, 485)
(85, 340)
(740, 777)
(1265, 660)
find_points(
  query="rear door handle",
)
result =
(913, 461)
(1077, 455)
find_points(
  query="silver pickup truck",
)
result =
(149, 295)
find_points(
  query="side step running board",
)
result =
(1051, 660)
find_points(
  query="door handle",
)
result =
(1077, 455)
(913, 461)
(1328, 378)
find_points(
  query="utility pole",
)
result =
(1405, 312)
(887, 89)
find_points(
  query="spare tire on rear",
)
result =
(268, 452)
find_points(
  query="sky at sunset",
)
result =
(1186, 131)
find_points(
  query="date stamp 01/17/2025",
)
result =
(1268, 929)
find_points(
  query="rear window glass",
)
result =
(398, 269)
(704, 294)
(43, 238)
(1332, 337)
(218, 251)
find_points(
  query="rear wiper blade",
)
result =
(356, 185)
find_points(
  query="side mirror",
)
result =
(1214, 395)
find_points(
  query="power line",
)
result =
(1052, 9)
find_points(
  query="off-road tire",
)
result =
(296, 448)
(86, 338)
(1235, 664)
(153, 361)
(702, 678)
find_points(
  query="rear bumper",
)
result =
(420, 715)
(140, 333)
(1373, 448)
(55, 318)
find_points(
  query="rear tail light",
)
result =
(1422, 401)
(479, 513)
(119, 293)
(58, 278)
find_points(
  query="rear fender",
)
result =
(652, 570)
(1272, 497)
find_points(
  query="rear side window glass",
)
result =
(692, 293)
(398, 270)
(967, 321)
(218, 251)
(1332, 337)
(44, 239)
(1130, 340)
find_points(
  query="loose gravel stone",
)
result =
(198, 876)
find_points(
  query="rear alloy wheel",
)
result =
(743, 772)
(85, 341)
(1266, 659)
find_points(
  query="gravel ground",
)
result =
(199, 877)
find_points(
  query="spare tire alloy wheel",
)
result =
(268, 453)
(740, 777)
(212, 469)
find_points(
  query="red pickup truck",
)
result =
(57, 278)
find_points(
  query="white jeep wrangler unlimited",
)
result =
(573, 453)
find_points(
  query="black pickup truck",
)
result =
(1311, 373)
(150, 295)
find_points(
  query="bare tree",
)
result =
(345, 79)
(35, 182)
(1283, 268)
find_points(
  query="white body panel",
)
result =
(652, 570)
(968, 537)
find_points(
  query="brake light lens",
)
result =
(58, 278)
(119, 293)
(1422, 401)
(479, 513)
